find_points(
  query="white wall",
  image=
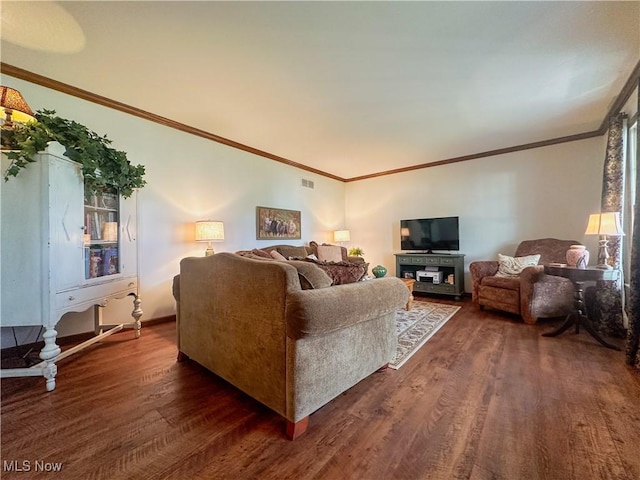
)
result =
(501, 200)
(188, 179)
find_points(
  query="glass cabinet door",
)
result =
(101, 240)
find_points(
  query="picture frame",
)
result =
(409, 275)
(278, 223)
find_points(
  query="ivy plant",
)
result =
(102, 165)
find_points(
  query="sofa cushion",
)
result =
(289, 251)
(513, 266)
(329, 253)
(311, 277)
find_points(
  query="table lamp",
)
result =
(341, 236)
(14, 106)
(604, 224)
(209, 231)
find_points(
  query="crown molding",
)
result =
(43, 81)
(16, 72)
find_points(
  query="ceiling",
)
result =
(347, 88)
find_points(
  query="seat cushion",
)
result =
(509, 283)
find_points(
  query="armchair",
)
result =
(532, 294)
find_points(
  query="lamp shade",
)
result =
(207, 231)
(14, 106)
(341, 236)
(604, 224)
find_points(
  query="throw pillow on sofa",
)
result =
(276, 255)
(342, 272)
(329, 253)
(513, 266)
(311, 277)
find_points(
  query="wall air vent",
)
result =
(307, 183)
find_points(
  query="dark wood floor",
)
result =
(486, 398)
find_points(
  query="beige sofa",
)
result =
(249, 321)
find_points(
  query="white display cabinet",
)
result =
(63, 250)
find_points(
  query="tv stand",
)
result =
(451, 266)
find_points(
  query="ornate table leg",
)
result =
(579, 317)
(136, 314)
(48, 353)
(574, 317)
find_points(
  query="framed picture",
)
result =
(409, 275)
(276, 223)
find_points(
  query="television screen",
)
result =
(430, 234)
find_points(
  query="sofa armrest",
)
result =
(316, 312)
(479, 270)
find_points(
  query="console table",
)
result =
(451, 266)
(578, 277)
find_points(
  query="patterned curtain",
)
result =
(608, 315)
(633, 306)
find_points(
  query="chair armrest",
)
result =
(531, 275)
(355, 259)
(479, 270)
(536, 285)
(321, 311)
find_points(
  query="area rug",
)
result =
(417, 326)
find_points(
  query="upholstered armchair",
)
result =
(532, 294)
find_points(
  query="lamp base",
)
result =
(604, 266)
(208, 252)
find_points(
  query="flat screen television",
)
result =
(429, 234)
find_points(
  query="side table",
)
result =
(578, 277)
(409, 283)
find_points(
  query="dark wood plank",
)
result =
(486, 398)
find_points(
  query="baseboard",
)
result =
(20, 350)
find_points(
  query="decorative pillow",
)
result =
(329, 253)
(260, 253)
(311, 277)
(276, 255)
(513, 266)
(342, 272)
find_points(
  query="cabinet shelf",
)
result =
(53, 233)
(450, 266)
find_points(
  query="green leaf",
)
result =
(102, 165)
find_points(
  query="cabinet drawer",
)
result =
(95, 294)
(434, 288)
(446, 261)
(419, 260)
(406, 259)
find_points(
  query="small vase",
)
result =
(578, 256)
(379, 271)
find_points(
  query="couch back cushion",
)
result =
(549, 249)
(310, 275)
(290, 251)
